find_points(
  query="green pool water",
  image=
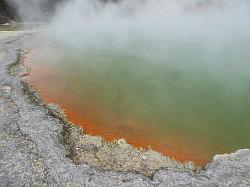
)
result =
(182, 90)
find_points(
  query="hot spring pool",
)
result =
(183, 99)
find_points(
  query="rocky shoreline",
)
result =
(39, 147)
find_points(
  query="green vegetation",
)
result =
(6, 12)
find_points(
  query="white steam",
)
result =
(215, 20)
(213, 30)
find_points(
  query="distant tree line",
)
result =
(7, 12)
(9, 8)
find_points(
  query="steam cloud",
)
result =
(220, 27)
(154, 30)
(185, 18)
(216, 20)
(210, 24)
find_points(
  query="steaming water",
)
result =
(181, 87)
(178, 102)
